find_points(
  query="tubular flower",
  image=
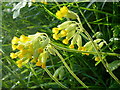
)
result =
(71, 46)
(55, 30)
(19, 63)
(63, 11)
(97, 58)
(23, 38)
(83, 49)
(56, 36)
(15, 40)
(20, 47)
(33, 48)
(14, 47)
(65, 41)
(13, 55)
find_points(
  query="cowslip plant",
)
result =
(37, 48)
(91, 45)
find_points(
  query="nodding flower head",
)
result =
(64, 12)
(34, 48)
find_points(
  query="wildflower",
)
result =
(83, 49)
(14, 47)
(33, 60)
(55, 36)
(20, 47)
(65, 41)
(13, 55)
(20, 55)
(38, 63)
(71, 46)
(23, 38)
(97, 58)
(55, 30)
(15, 40)
(63, 33)
(19, 63)
(63, 11)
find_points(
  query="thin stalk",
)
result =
(78, 51)
(98, 53)
(68, 68)
(60, 84)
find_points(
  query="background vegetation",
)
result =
(103, 17)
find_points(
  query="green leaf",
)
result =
(114, 65)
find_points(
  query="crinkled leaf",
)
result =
(114, 65)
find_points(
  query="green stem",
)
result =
(60, 84)
(98, 53)
(71, 72)
(78, 51)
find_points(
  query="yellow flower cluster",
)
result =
(30, 48)
(68, 30)
(63, 11)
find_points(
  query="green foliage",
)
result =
(103, 18)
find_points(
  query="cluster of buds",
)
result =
(64, 12)
(34, 48)
(68, 30)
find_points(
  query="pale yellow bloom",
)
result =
(97, 58)
(14, 47)
(63, 11)
(65, 41)
(55, 30)
(23, 38)
(55, 36)
(63, 33)
(38, 63)
(15, 40)
(13, 55)
(20, 47)
(71, 46)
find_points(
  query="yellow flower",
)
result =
(55, 36)
(13, 55)
(20, 55)
(15, 40)
(83, 49)
(19, 61)
(20, 47)
(23, 38)
(14, 47)
(43, 65)
(19, 65)
(38, 63)
(63, 33)
(59, 15)
(63, 11)
(97, 58)
(33, 60)
(55, 30)
(71, 46)
(65, 41)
